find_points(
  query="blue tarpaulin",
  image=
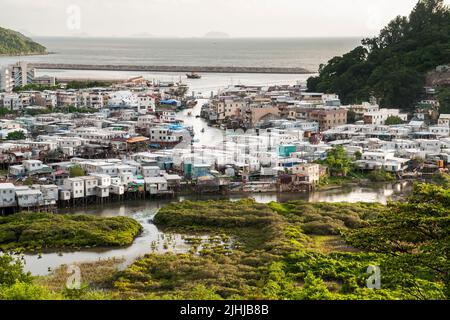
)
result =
(171, 102)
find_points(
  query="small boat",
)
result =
(191, 103)
(193, 75)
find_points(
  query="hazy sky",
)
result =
(194, 18)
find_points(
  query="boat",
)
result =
(191, 103)
(193, 75)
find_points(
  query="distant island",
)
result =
(216, 35)
(15, 43)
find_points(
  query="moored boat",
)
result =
(193, 75)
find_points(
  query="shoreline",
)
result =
(5, 55)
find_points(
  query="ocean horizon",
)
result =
(306, 53)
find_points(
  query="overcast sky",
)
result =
(194, 18)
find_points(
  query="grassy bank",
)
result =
(37, 231)
(294, 250)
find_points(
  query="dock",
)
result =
(149, 68)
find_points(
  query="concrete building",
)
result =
(27, 197)
(328, 118)
(311, 171)
(444, 120)
(229, 107)
(76, 187)
(379, 117)
(90, 185)
(22, 74)
(6, 80)
(7, 195)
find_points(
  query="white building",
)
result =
(310, 170)
(90, 184)
(76, 187)
(379, 117)
(6, 80)
(444, 120)
(150, 171)
(382, 161)
(7, 195)
(155, 185)
(27, 197)
(22, 74)
(32, 165)
(103, 180)
(49, 194)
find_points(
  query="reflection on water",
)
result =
(144, 211)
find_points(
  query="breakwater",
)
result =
(148, 68)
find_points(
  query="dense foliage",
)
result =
(77, 171)
(294, 250)
(16, 135)
(35, 87)
(46, 230)
(416, 236)
(87, 84)
(338, 162)
(392, 66)
(15, 43)
(293, 262)
(15, 284)
(393, 120)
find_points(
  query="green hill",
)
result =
(393, 66)
(15, 43)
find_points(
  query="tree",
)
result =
(393, 120)
(443, 95)
(416, 236)
(351, 117)
(11, 271)
(77, 171)
(4, 111)
(28, 181)
(16, 135)
(338, 162)
(392, 66)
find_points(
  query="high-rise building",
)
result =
(22, 74)
(6, 80)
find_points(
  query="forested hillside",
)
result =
(15, 43)
(392, 66)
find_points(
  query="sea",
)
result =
(307, 53)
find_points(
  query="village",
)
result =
(125, 140)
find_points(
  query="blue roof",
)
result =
(176, 127)
(170, 101)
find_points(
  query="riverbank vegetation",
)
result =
(294, 250)
(305, 251)
(38, 231)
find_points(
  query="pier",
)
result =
(147, 68)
